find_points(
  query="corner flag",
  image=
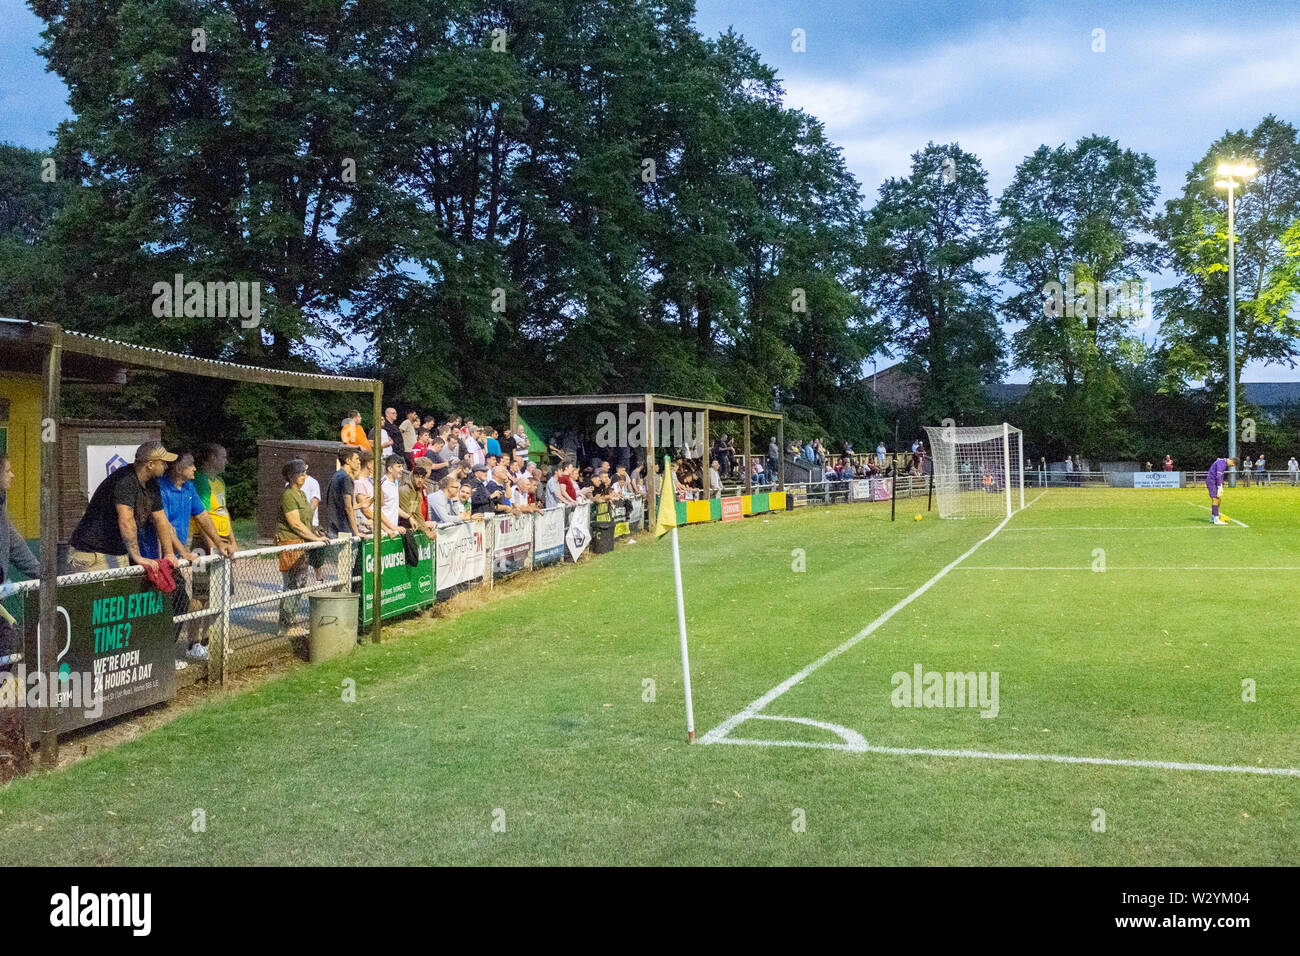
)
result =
(665, 522)
(667, 517)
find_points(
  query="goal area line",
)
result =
(852, 741)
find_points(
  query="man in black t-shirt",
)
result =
(338, 512)
(107, 534)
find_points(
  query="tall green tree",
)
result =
(1075, 234)
(926, 238)
(1194, 231)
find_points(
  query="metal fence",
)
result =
(253, 607)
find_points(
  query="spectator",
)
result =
(1147, 466)
(493, 444)
(127, 500)
(14, 551)
(715, 480)
(568, 481)
(211, 462)
(474, 447)
(410, 429)
(880, 453)
(556, 494)
(412, 507)
(421, 447)
(365, 492)
(521, 442)
(756, 474)
(311, 488)
(480, 498)
(338, 503)
(293, 528)
(443, 501)
(773, 457)
(1169, 463)
(390, 507)
(183, 508)
(1293, 469)
(394, 443)
(463, 505)
(498, 489)
(352, 433)
(1261, 473)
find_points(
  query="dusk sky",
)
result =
(1000, 79)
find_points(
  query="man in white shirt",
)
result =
(311, 488)
(388, 514)
(715, 481)
(1293, 469)
(474, 448)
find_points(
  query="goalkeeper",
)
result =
(1214, 485)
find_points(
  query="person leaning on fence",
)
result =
(364, 486)
(390, 511)
(338, 509)
(294, 527)
(184, 507)
(412, 507)
(108, 534)
(210, 462)
(14, 553)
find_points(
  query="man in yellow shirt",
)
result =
(208, 483)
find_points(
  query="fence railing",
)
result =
(252, 607)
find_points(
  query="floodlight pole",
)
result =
(1232, 336)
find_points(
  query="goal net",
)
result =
(978, 470)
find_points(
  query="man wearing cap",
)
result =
(107, 536)
(480, 500)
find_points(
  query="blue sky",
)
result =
(1000, 78)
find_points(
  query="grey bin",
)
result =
(333, 630)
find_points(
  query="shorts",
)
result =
(1216, 491)
(82, 561)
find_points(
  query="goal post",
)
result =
(979, 471)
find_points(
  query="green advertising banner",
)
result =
(405, 588)
(116, 649)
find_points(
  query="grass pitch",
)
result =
(532, 711)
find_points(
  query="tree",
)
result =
(1075, 225)
(925, 238)
(1194, 230)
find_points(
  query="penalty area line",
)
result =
(718, 733)
(1040, 758)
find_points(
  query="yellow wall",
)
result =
(24, 438)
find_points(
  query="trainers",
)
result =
(197, 653)
(1218, 521)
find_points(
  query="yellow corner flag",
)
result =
(667, 517)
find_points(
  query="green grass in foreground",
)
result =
(533, 705)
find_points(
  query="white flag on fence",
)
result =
(579, 534)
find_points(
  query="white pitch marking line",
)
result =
(1208, 508)
(1157, 527)
(1044, 758)
(999, 567)
(852, 739)
(730, 724)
